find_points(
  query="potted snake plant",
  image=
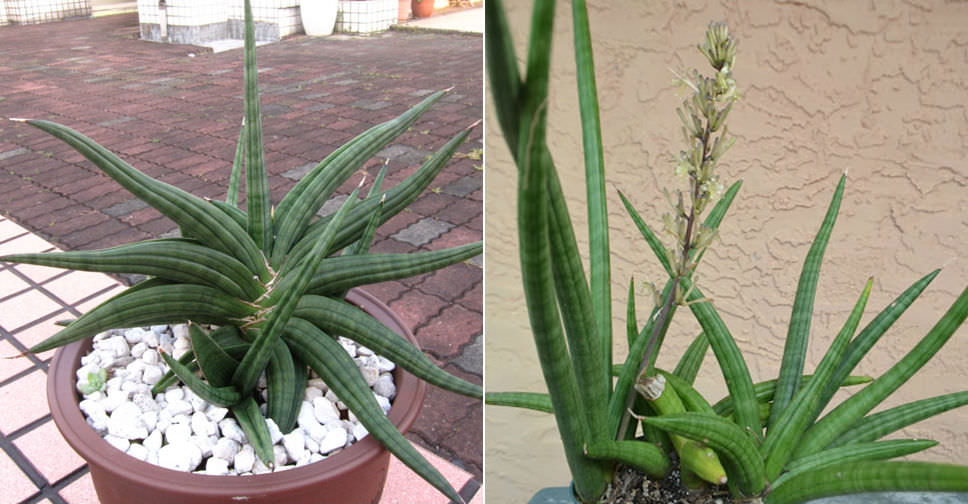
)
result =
(274, 283)
(765, 442)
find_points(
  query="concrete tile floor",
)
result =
(36, 464)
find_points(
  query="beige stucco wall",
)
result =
(879, 88)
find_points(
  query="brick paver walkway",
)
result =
(174, 111)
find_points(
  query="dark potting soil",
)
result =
(630, 486)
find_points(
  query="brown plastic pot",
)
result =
(354, 476)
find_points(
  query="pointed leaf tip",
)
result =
(18, 119)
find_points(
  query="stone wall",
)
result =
(878, 88)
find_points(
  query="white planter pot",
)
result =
(318, 16)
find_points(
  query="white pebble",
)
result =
(312, 393)
(384, 403)
(134, 336)
(311, 446)
(317, 432)
(150, 356)
(202, 426)
(174, 394)
(226, 449)
(151, 374)
(117, 345)
(205, 443)
(307, 417)
(324, 410)
(125, 422)
(244, 459)
(334, 440)
(319, 384)
(178, 433)
(385, 387)
(275, 435)
(295, 444)
(230, 429)
(279, 455)
(179, 456)
(137, 451)
(118, 442)
(371, 374)
(179, 407)
(216, 413)
(359, 432)
(217, 467)
(153, 441)
(150, 339)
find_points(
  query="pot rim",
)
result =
(63, 403)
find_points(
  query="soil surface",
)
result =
(632, 487)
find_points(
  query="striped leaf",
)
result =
(646, 457)
(844, 416)
(258, 205)
(783, 438)
(193, 215)
(691, 360)
(891, 420)
(527, 400)
(877, 450)
(338, 317)
(220, 396)
(328, 359)
(175, 259)
(731, 442)
(160, 304)
(857, 477)
(795, 348)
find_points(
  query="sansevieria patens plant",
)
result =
(767, 441)
(272, 279)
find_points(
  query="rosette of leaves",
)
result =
(272, 280)
(770, 442)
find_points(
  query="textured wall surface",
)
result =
(878, 88)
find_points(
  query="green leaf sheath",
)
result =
(397, 199)
(891, 420)
(859, 477)
(733, 445)
(877, 450)
(337, 274)
(850, 411)
(192, 214)
(339, 317)
(782, 439)
(219, 396)
(646, 457)
(256, 359)
(764, 391)
(254, 425)
(175, 259)
(691, 399)
(216, 364)
(534, 163)
(731, 362)
(161, 304)
(527, 400)
(300, 204)
(599, 255)
(328, 359)
(502, 68)
(577, 314)
(232, 212)
(691, 360)
(869, 335)
(631, 319)
(650, 237)
(238, 165)
(282, 385)
(795, 349)
(258, 205)
(623, 393)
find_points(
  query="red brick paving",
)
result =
(174, 112)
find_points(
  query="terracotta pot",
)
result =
(422, 8)
(354, 476)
